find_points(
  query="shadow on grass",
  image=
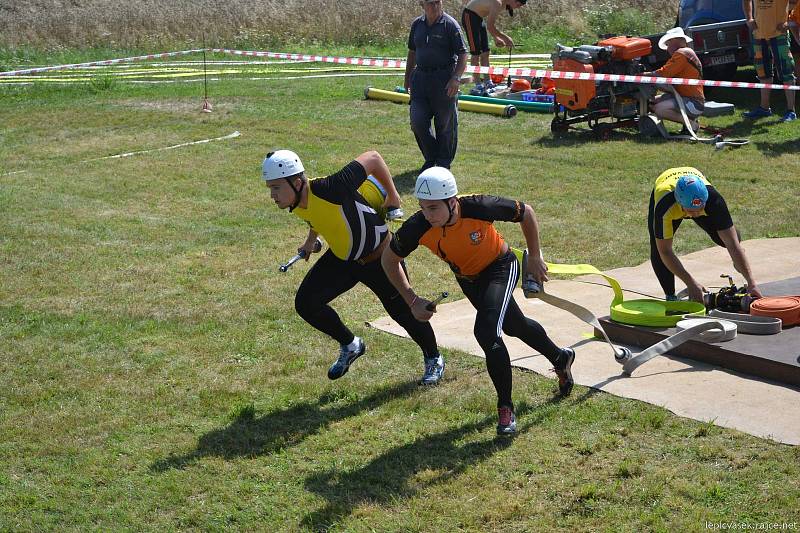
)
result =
(249, 436)
(775, 149)
(404, 471)
(405, 181)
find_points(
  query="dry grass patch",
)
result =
(107, 23)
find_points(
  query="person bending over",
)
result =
(681, 193)
(479, 16)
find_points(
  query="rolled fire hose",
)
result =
(507, 111)
(521, 105)
(784, 308)
(630, 361)
(711, 335)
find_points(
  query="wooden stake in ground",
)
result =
(206, 104)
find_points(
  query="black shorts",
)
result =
(475, 28)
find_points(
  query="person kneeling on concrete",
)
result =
(683, 63)
(681, 193)
(460, 231)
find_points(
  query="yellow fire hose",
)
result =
(648, 312)
(507, 111)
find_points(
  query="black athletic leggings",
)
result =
(491, 295)
(331, 277)
(665, 276)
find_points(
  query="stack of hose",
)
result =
(520, 105)
(478, 107)
(787, 308)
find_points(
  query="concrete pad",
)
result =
(687, 388)
(773, 357)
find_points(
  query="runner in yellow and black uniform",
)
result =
(680, 193)
(460, 231)
(345, 208)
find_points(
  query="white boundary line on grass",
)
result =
(129, 154)
(197, 80)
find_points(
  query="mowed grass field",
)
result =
(154, 375)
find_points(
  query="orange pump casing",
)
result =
(574, 94)
(627, 48)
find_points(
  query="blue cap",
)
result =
(691, 192)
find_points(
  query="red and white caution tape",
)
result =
(398, 63)
(526, 72)
(364, 61)
(99, 63)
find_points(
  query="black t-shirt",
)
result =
(438, 45)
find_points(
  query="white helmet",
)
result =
(281, 164)
(435, 183)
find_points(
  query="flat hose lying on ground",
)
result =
(642, 315)
(717, 140)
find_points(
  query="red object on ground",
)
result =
(787, 308)
(520, 85)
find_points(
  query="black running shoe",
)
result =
(565, 381)
(346, 358)
(434, 370)
(507, 423)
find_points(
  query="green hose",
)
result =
(531, 107)
(521, 105)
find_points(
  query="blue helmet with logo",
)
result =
(691, 192)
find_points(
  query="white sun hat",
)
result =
(674, 33)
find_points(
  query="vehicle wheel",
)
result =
(602, 132)
(726, 72)
(558, 127)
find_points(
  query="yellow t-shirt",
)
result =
(768, 14)
(666, 207)
(345, 208)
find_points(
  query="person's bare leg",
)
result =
(475, 61)
(665, 110)
(485, 63)
(789, 100)
(765, 94)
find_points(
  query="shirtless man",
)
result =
(478, 17)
